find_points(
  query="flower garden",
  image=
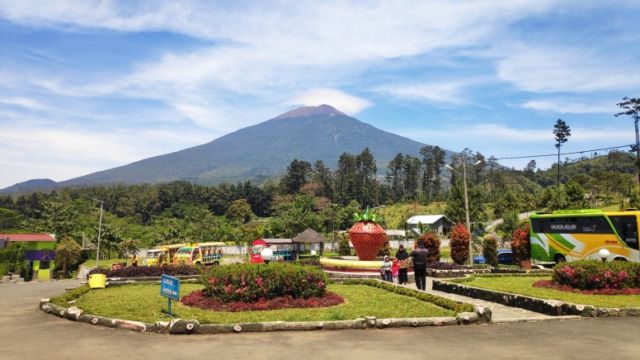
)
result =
(245, 293)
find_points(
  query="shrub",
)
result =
(200, 300)
(460, 238)
(594, 274)
(439, 265)
(520, 243)
(490, 250)
(343, 247)
(138, 271)
(252, 282)
(432, 243)
(385, 250)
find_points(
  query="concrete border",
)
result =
(545, 306)
(186, 326)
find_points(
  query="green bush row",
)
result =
(439, 301)
(63, 300)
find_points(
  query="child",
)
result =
(395, 270)
(386, 269)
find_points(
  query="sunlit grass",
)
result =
(143, 302)
(522, 285)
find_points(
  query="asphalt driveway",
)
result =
(27, 333)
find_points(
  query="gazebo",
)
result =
(311, 240)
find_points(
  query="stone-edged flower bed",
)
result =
(549, 284)
(465, 314)
(545, 306)
(200, 300)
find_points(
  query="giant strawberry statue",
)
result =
(366, 235)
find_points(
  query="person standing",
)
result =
(402, 255)
(395, 269)
(386, 269)
(419, 256)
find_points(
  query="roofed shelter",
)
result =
(439, 223)
(39, 253)
(311, 240)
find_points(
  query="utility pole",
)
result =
(99, 231)
(466, 203)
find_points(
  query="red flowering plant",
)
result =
(520, 243)
(460, 238)
(253, 282)
(596, 275)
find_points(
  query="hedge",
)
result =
(138, 271)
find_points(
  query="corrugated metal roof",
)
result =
(27, 237)
(424, 219)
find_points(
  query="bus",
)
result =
(163, 254)
(200, 254)
(568, 235)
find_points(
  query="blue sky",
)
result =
(90, 85)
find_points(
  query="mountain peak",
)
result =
(304, 111)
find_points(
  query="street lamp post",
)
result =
(466, 199)
(99, 231)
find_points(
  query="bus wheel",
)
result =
(199, 265)
(559, 258)
(216, 263)
(619, 259)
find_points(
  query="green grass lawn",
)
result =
(143, 302)
(523, 285)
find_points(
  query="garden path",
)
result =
(500, 313)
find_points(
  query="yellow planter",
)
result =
(351, 264)
(97, 281)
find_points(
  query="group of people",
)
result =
(396, 270)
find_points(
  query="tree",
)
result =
(68, 251)
(411, 170)
(128, 247)
(9, 219)
(459, 243)
(530, 169)
(323, 176)
(631, 107)
(239, 210)
(562, 132)
(346, 179)
(366, 174)
(298, 173)
(395, 177)
(575, 195)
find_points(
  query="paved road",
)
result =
(27, 333)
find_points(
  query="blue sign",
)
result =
(170, 287)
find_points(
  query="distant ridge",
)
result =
(256, 152)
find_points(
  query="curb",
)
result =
(186, 326)
(544, 306)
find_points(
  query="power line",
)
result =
(567, 153)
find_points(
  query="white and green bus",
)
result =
(580, 234)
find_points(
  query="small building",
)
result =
(39, 253)
(310, 240)
(439, 223)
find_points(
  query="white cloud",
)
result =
(553, 69)
(446, 92)
(342, 101)
(497, 132)
(24, 102)
(570, 107)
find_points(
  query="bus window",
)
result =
(572, 225)
(627, 228)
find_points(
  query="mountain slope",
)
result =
(265, 149)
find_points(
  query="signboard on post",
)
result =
(170, 288)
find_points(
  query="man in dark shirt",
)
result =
(419, 256)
